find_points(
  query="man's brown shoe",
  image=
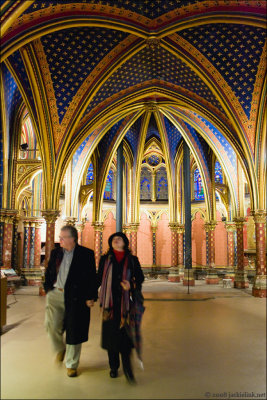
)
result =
(60, 356)
(71, 372)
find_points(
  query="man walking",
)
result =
(71, 289)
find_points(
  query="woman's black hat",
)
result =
(122, 235)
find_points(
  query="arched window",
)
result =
(145, 184)
(28, 141)
(218, 173)
(162, 184)
(198, 186)
(108, 194)
(90, 175)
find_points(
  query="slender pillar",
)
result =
(180, 231)
(26, 244)
(37, 244)
(98, 227)
(241, 280)
(230, 228)
(7, 216)
(153, 194)
(154, 230)
(212, 277)
(1, 238)
(32, 240)
(80, 227)
(50, 217)
(260, 282)
(15, 244)
(134, 229)
(70, 221)
(174, 270)
(188, 276)
(127, 231)
(119, 188)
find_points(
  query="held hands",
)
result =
(125, 285)
(90, 303)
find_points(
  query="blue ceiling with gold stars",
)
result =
(149, 8)
(154, 63)
(133, 134)
(104, 145)
(12, 95)
(235, 50)
(72, 54)
(174, 137)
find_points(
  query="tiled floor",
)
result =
(208, 344)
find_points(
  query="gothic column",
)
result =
(212, 277)
(50, 217)
(260, 282)
(154, 248)
(26, 244)
(230, 228)
(153, 194)
(7, 217)
(15, 244)
(37, 244)
(174, 270)
(134, 229)
(241, 280)
(32, 241)
(119, 188)
(126, 229)
(180, 232)
(80, 227)
(98, 227)
(70, 221)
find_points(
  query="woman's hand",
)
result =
(125, 285)
(90, 303)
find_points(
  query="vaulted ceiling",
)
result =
(84, 70)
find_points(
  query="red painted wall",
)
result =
(220, 242)
(88, 234)
(109, 229)
(163, 242)
(144, 241)
(198, 241)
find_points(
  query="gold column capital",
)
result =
(259, 216)
(154, 228)
(230, 226)
(239, 221)
(70, 221)
(174, 226)
(98, 226)
(8, 215)
(50, 216)
(80, 225)
(210, 226)
(134, 226)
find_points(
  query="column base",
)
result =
(189, 279)
(230, 275)
(241, 280)
(212, 277)
(32, 276)
(173, 275)
(260, 286)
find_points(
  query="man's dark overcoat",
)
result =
(80, 286)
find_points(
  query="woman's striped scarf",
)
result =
(106, 297)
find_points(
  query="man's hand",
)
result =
(90, 303)
(126, 285)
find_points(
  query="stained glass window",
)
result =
(153, 160)
(198, 186)
(145, 184)
(108, 194)
(218, 173)
(90, 175)
(162, 184)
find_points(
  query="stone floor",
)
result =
(208, 344)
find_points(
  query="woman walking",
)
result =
(120, 276)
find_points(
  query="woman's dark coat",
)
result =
(80, 286)
(112, 339)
